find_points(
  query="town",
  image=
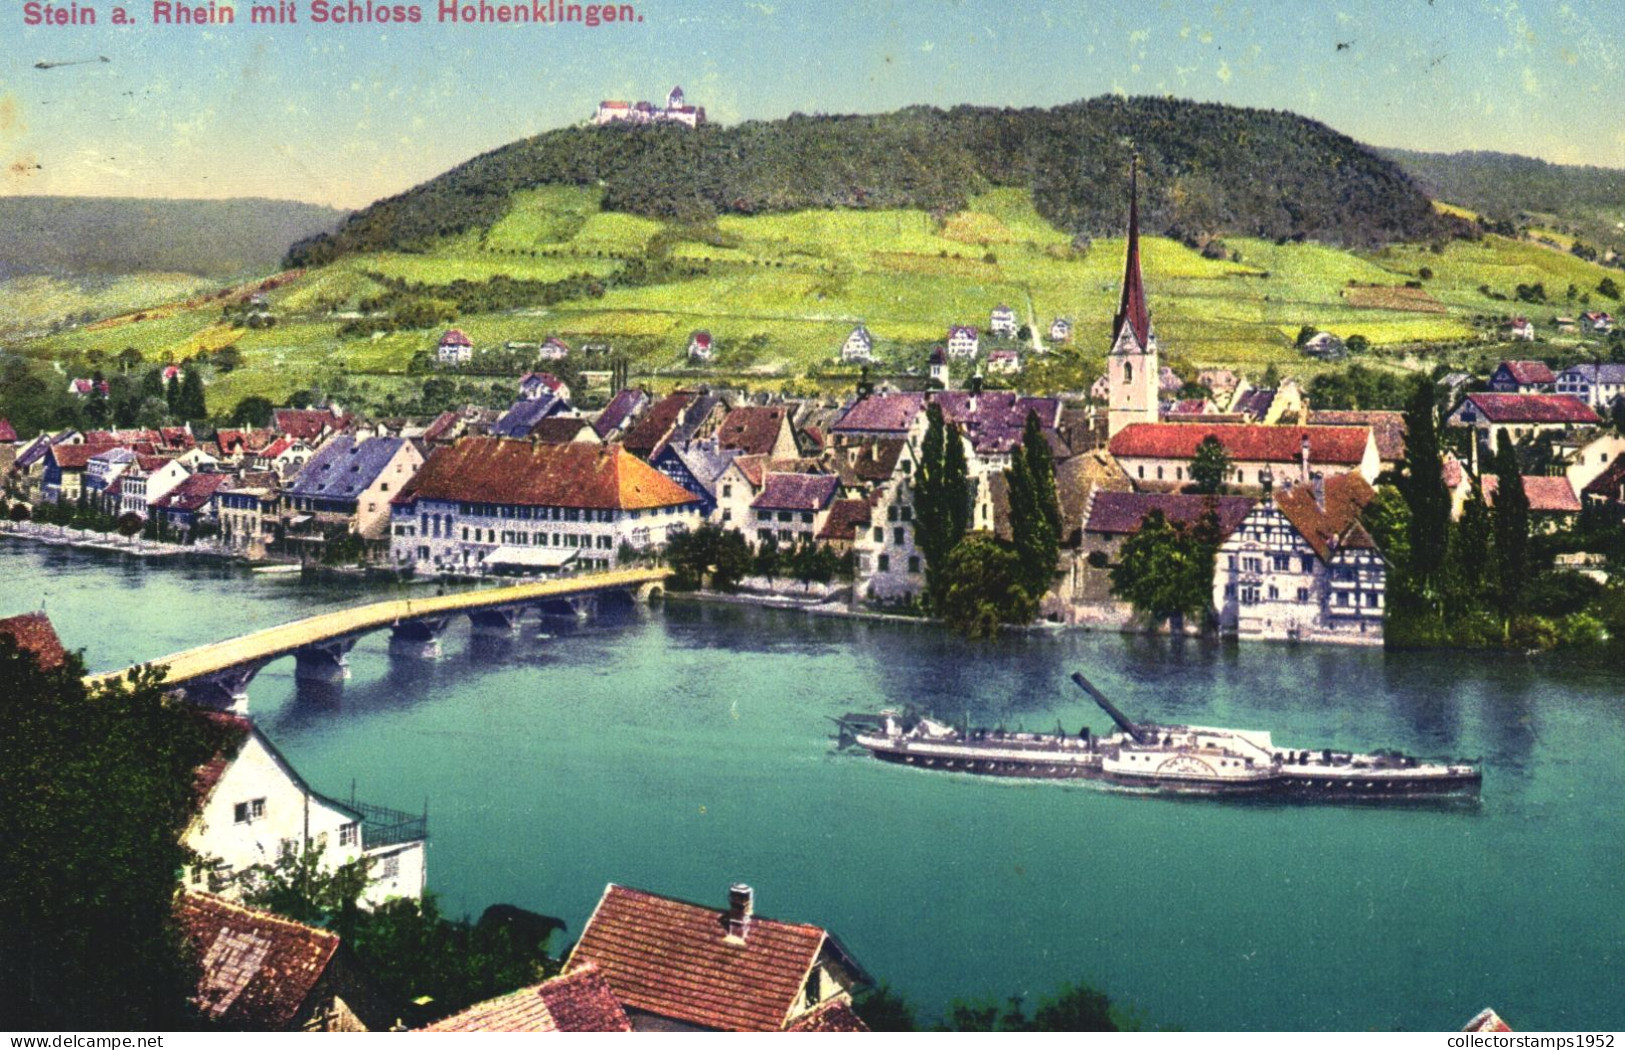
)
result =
(859, 504)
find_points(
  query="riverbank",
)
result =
(140, 546)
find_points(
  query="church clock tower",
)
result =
(1132, 366)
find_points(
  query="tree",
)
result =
(189, 402)
(1357, 344)
(1272, 377)
(1210, 468)
(1422, 484)
(1166, 571)
(1511, 530)
(709, 551)
(883, 1010)
(982, 588)
(1306, 333)
(302, 887)
(1035, 511)
(128, 358)
(252, 411)
(98, 790)
(172, 395)
(1608, 288)
(1471, 549)
(941, 497)
(228, 359)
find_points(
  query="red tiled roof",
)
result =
(1336, 524)
(307, 424)
(1122, 513)
(891, 413)
(1533, 408)
(675, 959)
(846, 517)
(579, 1001)
(651, 429)
(455, 337)
(441, 424)
(8, 435)
(1388, 428)
(797, 492)
(753, 430)
(1529, 371)
(192, 493)
(1131, 308)
(560, 430)
(74, 457)
(508, 471)
(33, 633)
(835, 1015)
(205, 777)
(1486, 1020)
(1547, 495)
(258, 969)
(1610, 484)
(754, 468)
(1245, 443)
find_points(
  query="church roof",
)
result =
(1132, 309)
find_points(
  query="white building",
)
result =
(1002, 322)
(1060, 330)
(256, 809)
(859, 346)
(963, 341)
(1302, 567)
(1598, 385)
(490, 503)
(455, 348)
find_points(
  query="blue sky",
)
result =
(345, 114)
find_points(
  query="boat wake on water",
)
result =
(1179, 760)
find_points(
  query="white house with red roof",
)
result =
(455, 348)
(486, 504)
(1302, 567)
(1060, 330)
(534, 386)
(700, 347)
(1597, 322)
(1520, 415)
(1520, 328)
(553, 349)
(1522, 377)
(1158, 456)
(1003, 361)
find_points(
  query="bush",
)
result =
(1533, 632)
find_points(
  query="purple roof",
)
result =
(619, 409)
(797, 492)
(884, 413)
(1121, 513)
(521, 419)
(345, 468)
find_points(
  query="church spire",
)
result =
(1131, 309)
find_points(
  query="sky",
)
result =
(345, 114)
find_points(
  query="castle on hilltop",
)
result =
(676, 111)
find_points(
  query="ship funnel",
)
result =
(1122, 720)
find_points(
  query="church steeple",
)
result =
(1132, 309)
(1132, 368)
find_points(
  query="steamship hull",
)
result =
(1163, 759)
(1329, 786)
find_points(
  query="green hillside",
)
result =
(1209, 169)
(780, 292)
(1573, 201)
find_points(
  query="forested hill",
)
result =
(73, 236)
(1206, 169)
(1508, 187)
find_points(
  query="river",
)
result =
(684, 747)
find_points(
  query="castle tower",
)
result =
(1132, 365)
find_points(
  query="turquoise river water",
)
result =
(684, 747)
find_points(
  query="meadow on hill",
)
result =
(780, 292)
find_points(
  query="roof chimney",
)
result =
(1303, 456)
(741, 904)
